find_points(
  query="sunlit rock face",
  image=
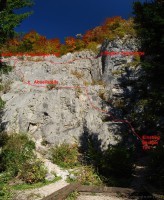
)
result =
(80, 104)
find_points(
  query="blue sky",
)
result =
(63, 18)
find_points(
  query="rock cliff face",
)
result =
(90, 89)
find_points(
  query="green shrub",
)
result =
(117, 161)
(114, 26)
(5, 177)
(17, 150)
(33, 172)
(87, 175)
(72, 196)
(111, 36)
(5, 87)
(5, 189)
(5, 69)
(120, 33)
(3, 139)
(1, 87)
(65, 155)
(137, 58)
(116, 72)
(18, 158)
(80, 45)
(2, 104)
(93, 47)
(63, 49)
(5, 192)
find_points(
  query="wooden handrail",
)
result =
(103, 189)
(65, 191)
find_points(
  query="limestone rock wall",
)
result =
(78, 103)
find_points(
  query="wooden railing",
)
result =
(65, 191)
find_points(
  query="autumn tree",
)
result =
(29, 40)
(80, 44)
(12, 45)
(40, 44)
(55, 44)
(88, 36)
(112, 23)
(70, 43)
(63, 49)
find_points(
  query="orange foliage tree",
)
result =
(80, 44)
(33, 42)
(88, 36)
(53, 45)
(47, 46)
(98, 34)
(12, 45)
(40, 44)
(70, 43)
(112, 23)
(29, 40)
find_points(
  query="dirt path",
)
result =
(139, 175)
(39, 193)
(139, 181)
(99, 197)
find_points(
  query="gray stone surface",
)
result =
(60, 115)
